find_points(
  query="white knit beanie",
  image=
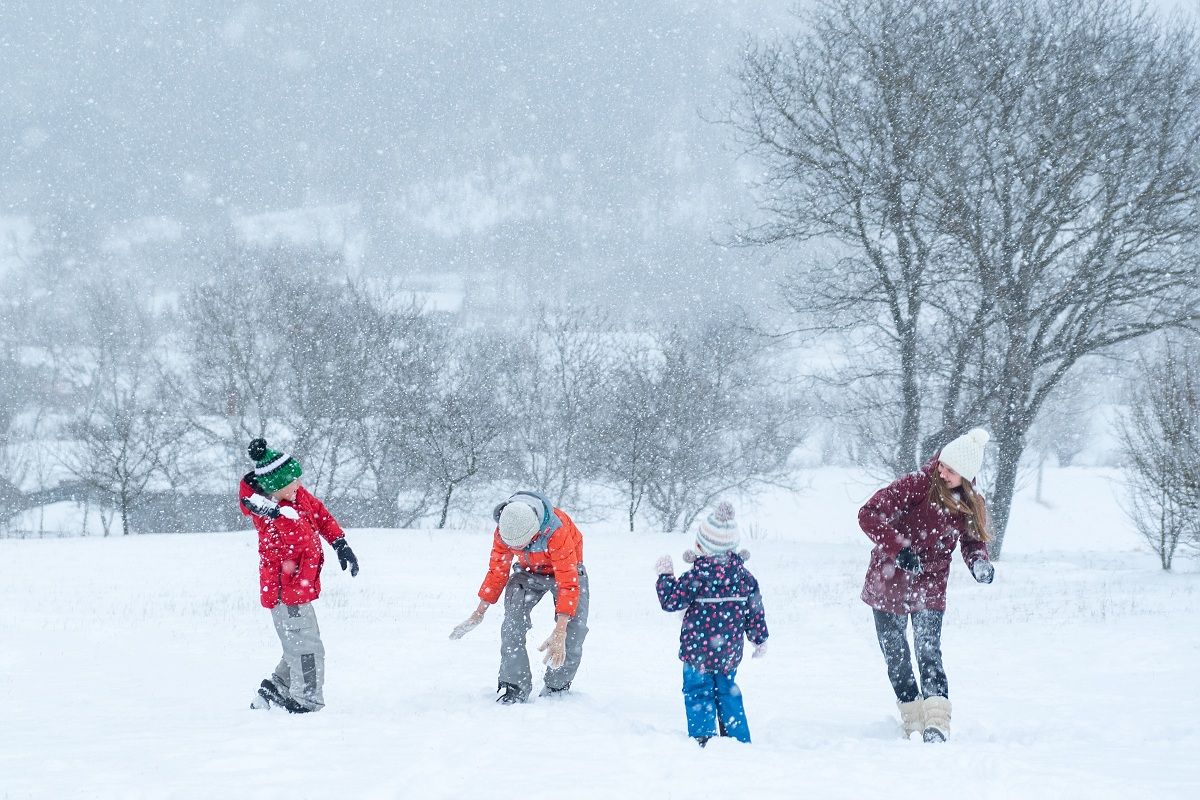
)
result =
(964, 455)
(518, 523)
(718, 532)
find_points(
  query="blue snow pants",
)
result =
(712, 698)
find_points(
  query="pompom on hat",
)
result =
(273, 469)
(964, 455)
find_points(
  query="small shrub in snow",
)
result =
(1160, 436)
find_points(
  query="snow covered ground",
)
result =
(127, 665)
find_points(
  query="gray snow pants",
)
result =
(524, 591)
(301, 672)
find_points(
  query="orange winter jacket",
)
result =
(556, 550)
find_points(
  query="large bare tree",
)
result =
(1041, 173)
(1072, 191)
(840, 118)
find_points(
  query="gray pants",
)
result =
(301, 672)
(927, 636)
(525, 590)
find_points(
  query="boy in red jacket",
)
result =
(291, 523)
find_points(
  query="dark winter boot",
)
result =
(269, 695)
(937, 719)
(550, 691)
(702, 740)
(512, 694)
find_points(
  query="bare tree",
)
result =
(401, 354)
(122, 440)
(1072, 215)
(1052, 183)
(692, 416)
(840, 117)
(323, 361)
(627, 454)
(285, 355)
(14, 391)
(857, 395)
(230, 391)
(1160, 437)
(462, 433)
(1063, 428)
(125, 433)
(719, 429)
(554, 397)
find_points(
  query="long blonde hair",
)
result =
(971, 504)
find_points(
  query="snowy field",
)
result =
(127, 665)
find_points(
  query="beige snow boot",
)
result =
(937, 719)
(912, 716)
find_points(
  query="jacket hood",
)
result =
(728, 566)
(539, 502)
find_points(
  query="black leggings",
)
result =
(927, 634)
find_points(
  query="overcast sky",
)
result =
(464, 136)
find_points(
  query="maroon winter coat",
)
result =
(289, 551)
(900, 515)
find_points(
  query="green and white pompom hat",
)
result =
(273, 470)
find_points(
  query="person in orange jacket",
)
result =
(547, 550)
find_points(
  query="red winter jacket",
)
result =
(289, 551)
(900, 515)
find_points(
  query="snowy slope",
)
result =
(127, 666)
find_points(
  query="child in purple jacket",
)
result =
(723, 604)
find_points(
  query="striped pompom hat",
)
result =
(273, 470)
(718, 532)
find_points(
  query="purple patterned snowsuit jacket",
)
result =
(723, 604)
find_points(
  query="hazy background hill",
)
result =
(561, 144)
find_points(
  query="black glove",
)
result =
(909, 561)
(346, 555)
(983, 571)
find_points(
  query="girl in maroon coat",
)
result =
(915, 523)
